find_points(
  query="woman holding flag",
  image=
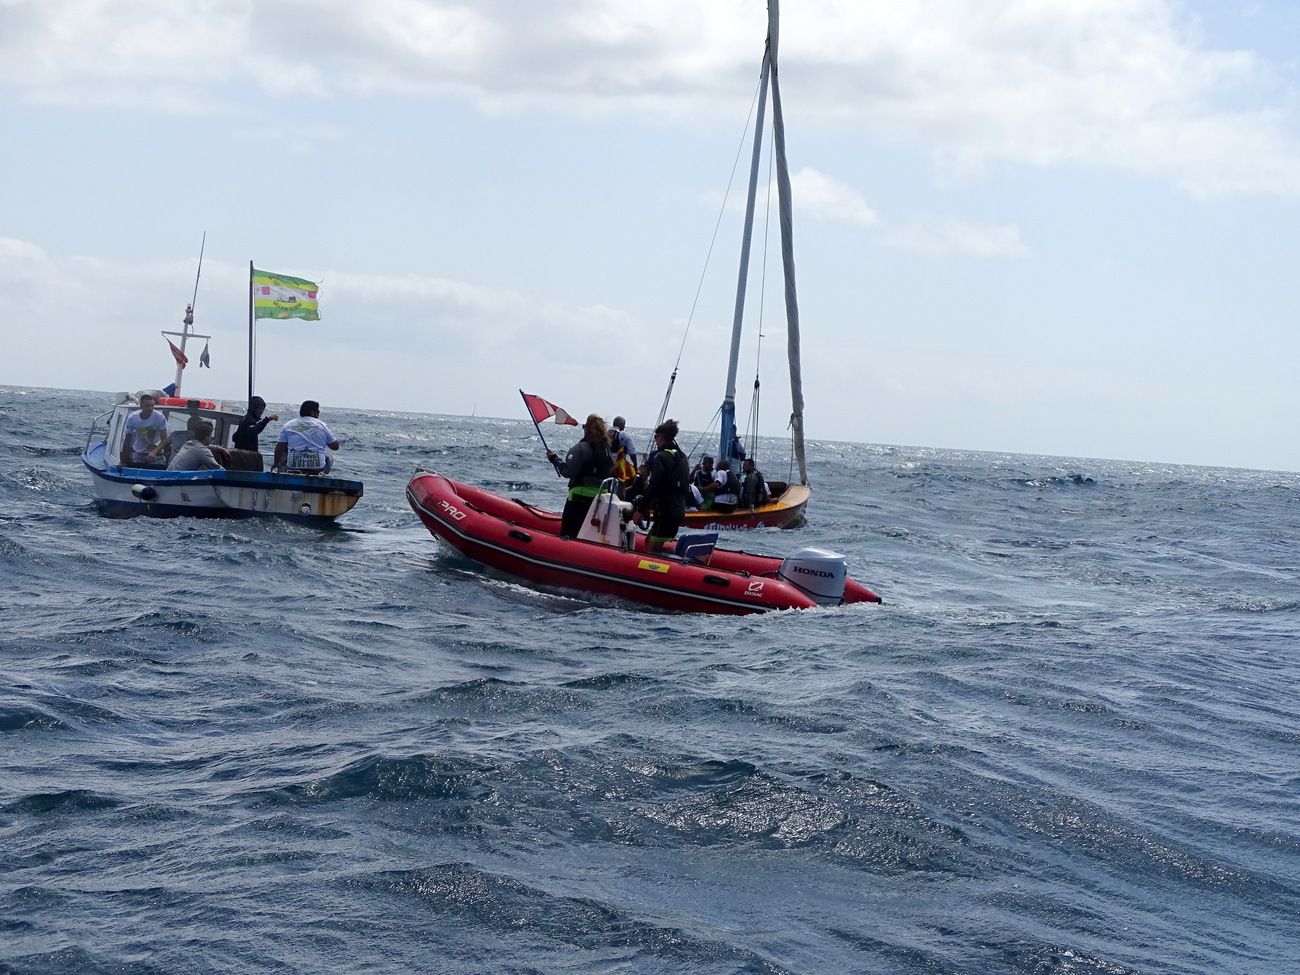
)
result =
(586, 466)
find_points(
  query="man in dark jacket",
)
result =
(667, 489)
(753, 489)
(252, 424)
(586, 465)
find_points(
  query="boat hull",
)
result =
(784, 511)
(524, 541)
(132, 492)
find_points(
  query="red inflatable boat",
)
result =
(517, 538)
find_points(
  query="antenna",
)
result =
(188, 321)
(195, 300)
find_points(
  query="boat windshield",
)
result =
(181, 421)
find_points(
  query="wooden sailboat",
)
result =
(788, 501)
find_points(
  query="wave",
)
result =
(16, 717)
(488, 905)
(418, 778)
(50, 451)
(67, 801)
(1056, 480)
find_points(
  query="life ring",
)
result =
(201, 404)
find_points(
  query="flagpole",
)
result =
(250, 331)
(536, 426)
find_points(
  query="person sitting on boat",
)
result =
(303, 442)
(587, 464)
(636, 487)
(726, 487)
(667, 489)
(753, 487)
(252, 424)
(145, 440)
(704, 478)
(697, 499)
(196, 454)
(176, 441)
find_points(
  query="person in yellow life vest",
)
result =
(619, 437)
(586, 465)
(624, 469)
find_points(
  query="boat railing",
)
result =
(94, 425)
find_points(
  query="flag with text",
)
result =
(282, 296)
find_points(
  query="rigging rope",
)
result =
(663, 410)
(705, 434)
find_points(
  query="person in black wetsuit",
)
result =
(753, 489)
(586, 465)
(667, 490)
(252, 424)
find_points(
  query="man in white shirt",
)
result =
(145, 440)
(196, 454)
(303, 442)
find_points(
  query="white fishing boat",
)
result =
(124, 492)
(242, 489)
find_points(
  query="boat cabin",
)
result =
(181, 413)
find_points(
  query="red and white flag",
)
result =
(181, 358)
(543, 410)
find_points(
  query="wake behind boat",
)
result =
(690, 575)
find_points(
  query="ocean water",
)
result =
(1067, 743)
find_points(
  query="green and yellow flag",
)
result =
(280, 296)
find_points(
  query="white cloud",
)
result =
(12, 251)
(950, 236)
(821, 196)
(1128, 84)
(92, 323)
(815, 195)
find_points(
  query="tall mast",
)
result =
(729, 397)
(787, 250)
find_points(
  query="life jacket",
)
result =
(733, 484)
(623, 469)
(585, 478)
(679, 473)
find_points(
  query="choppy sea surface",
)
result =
(1067, 743)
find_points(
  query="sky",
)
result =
(1064, 227)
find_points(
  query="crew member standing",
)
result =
(252, 424)
(667, 489)
(586, 465)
